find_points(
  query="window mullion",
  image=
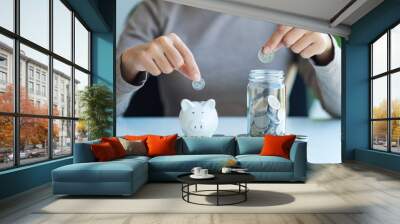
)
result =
(389, 101)
(16, 69)
(73, 82)
(50, 81)
(371, 137)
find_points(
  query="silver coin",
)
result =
(265, 58)
(198, 85)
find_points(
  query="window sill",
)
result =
(26, 167)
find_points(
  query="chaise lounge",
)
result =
(125, 176)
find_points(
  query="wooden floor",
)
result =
(378, 188)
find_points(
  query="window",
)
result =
(38, 74)
(30, 72)
(3, 78)
(62, 30)
(62, 74)
(6, 73)
(385, 94)
(3, 61)
(37, 89)
(34, 22)
(7, 14)
(30, 87)
(44, 91)
(48, 78)
(81, 45)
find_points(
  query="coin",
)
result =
(198, 85)
(265, 58)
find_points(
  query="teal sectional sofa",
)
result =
(125, 176)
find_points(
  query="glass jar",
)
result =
(266, 108)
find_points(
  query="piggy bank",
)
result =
(198, 118)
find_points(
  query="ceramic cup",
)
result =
(203, 172)
(226, 170)
(196, 171)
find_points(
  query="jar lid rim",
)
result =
(265, 73)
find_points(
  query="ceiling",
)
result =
(329, 16)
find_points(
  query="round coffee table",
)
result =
(238, 179)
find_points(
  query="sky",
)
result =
(35, 27)
(380, 66)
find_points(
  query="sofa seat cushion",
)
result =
(133, 158)
(185, 163)
(113, 171)
(257, 163)
(206, 145)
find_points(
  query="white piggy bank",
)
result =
(198, 118)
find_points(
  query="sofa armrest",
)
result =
(83, 152)
(298, 155)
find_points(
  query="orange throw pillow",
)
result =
(136, 137)
(116, 145)
(161, 145)
(103, 152)
(277, 145)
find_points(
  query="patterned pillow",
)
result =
(137, 148)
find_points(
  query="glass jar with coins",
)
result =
(266, 108)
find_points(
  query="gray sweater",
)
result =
(225, 48)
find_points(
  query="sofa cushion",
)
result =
(249, 145)
(161, 145)
(133, 158)
(257, 163)
(136, 147)
(103, 152)
(277, 145)
(185, 163)
(207, 145)
(116, 145)
(112, 171)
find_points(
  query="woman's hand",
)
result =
(162, 55)
(303, 42)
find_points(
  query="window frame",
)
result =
(388, 74)
(16, 115)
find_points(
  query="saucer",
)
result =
(208, 176)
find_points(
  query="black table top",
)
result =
(220, 178)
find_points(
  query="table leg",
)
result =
(188, 190)
(195, 188)
(217, 194)
(245, 193)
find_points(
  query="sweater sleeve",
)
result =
(325, 80)
(143, 25)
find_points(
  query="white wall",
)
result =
(123, 9)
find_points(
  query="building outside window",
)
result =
(44, 77)
(37, 74)
(3, 72)
(43, 90)
(3, 78)
(57, 128)
(38, 89)
(3, 60)
(30, 87)
(385, 91)
(30, 72)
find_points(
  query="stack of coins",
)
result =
(264, 116)
(272, 115)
